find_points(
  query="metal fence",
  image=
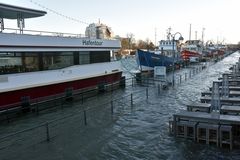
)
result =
(114, 107)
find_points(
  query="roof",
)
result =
(14, 12)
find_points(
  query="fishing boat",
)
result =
(167, 55)
(147, 60)
(38, 65)
(192, 51)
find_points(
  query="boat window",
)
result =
(100, 56)
(84, 57)
(57, 60)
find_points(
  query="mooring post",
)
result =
(131, 100)
(85, 117)
(111, 107)
(159, 89)
(47, 132)
(180, 78)
(185, 76)
(190, 73)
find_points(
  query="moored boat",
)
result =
(192, 51)
(40, 66)
(147, 60)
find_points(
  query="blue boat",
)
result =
(148, 60)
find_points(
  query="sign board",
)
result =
(159, 71)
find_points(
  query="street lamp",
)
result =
(173, 53)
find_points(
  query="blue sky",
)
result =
(141, 17)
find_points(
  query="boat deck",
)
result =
(19, 81)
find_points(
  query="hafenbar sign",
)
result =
(92, 43)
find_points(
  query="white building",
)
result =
(99, 31)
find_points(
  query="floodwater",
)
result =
(134, 133)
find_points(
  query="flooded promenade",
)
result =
(124, 131)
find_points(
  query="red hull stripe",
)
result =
(14, 97)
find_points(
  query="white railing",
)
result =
(43, 33)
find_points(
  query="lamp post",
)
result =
(173, 53)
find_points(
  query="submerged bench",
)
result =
(202, 107)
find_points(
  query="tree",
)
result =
(130, 37)
(125, 43)
(145, 44)
(141, 44)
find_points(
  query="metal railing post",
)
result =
(111, 107)
(47, 132)
(85, 117)
(131, 100)
(82, 98)
(37, 109)
(159, 89)
(147, 92)
(132, 82)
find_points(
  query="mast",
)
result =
(195, 35)
(190, 30)
(203, 29)
(169, 33)
(155, 36)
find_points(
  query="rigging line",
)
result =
(58, 13)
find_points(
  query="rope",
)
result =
(58, 13)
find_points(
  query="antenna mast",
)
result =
(195, 35)
(190, 30)
(155, 36)
(203, 35)
(169, 33)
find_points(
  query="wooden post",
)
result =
(180, 78)
(185, 76)
(159, 89)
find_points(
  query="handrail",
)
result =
(48, 33)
